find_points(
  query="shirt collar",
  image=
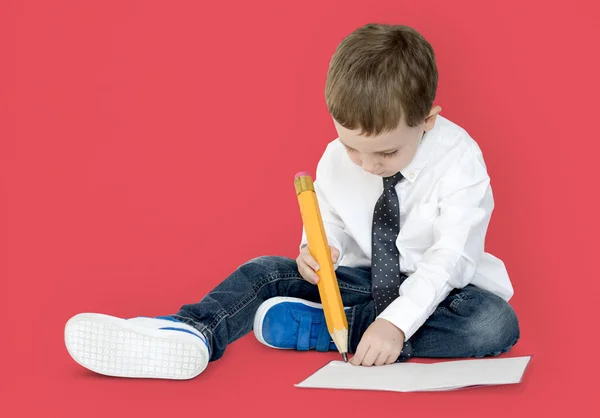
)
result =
(422, 156)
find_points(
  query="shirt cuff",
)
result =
(405, 315)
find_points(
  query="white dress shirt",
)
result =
(445, 206)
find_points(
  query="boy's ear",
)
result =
(430, 119)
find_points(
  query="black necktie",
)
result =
(385, 257)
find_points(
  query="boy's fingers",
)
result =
(393, 357)
(335, 253)
(306, 272)
(314, 278)
(310, 261)
(370, 356)
(360, 353)
(382, 358)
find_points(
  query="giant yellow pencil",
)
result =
(337, 324)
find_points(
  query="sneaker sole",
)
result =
(268, 304)
(116, 347)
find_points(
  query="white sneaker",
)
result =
(136, 347)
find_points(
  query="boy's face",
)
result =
(388, 153)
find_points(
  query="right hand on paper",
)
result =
(380, 344)
(307, 265)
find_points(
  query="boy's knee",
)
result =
(266, 264)
(493, 327)
(269, 261)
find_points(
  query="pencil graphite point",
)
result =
(345, 357)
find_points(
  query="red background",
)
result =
(148, 148)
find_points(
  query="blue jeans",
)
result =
(470, 322)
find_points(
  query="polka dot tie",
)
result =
(385, 257)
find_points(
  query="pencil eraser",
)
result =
(300, 174)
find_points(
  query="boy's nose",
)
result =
(371, 167)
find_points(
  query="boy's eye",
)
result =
(390, 154)
(384, 155)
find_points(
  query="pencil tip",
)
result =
(345, 357)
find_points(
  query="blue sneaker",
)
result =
(160, 348)
(292, 323)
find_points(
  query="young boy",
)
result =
(406, 201)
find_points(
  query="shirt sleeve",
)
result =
(465, 208)
(333, 224)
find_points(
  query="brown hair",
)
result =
(377, 74)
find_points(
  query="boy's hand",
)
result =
(381, 344)
(307, 265)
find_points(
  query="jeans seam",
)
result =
(353, 288)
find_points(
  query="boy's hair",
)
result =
(377, 74)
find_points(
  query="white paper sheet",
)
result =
(413, 377)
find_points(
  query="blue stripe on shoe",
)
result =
(188, 331)
(199, 334)
(168, 318)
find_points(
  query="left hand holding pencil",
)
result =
(381, 344)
